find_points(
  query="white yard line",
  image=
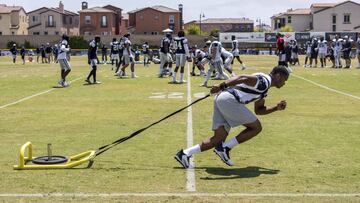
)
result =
(34, 95)
(191, 194)
(190, 172)
(325, 87)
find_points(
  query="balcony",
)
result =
(50, 24)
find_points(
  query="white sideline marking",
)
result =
(327, 88)
(34, 95)
(190, 172)
(45, 195)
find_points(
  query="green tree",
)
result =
(193, 30)
(78, 42)
(287, 28)
(215, 32)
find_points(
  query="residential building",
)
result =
(344, 16)
(53, 21)
(299, 19)
(224, 25)
(124, 23)
(100, 20)
(153, 20)
(321, 17)
(13, 20)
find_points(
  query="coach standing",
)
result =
(280, 45)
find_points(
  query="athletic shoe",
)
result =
(60, 82)
(182, 81)
(223, 153)
(204, 84)
(174, 82)
(65, 84)
(88, 81)
(243, 67)
(97, 82)
(134, 76)
(182, 159)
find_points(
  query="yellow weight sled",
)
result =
(51, 162)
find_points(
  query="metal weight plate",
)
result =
(46, 160)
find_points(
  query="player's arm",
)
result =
(249, 80)
(261, 109)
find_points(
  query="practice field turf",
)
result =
(307, 153)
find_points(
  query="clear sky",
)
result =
(253, 9)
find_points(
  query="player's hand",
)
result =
(281, 105)
(89, 62)
(215, 89)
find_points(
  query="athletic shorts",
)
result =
(180, 60)
(128, 59)
(93, 62)
(228, 112)
(294, 55)
(308, 54)
(64, 64)
(165, 57)
(14, 56)
(282, 57)
(236, 52)
(322, 55)
(227, 62)
(346, 54)
(115, 57)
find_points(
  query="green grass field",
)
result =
(311, 147)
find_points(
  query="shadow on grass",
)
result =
(234, 173)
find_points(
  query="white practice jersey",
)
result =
(234, 45)
(322, 46)
(199, 54)
(215, 51)
(252, 93)
(127, 45)
(64, 48)
(338, 45)
(358, 44)
(225, 53)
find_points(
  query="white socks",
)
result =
(231, 143)
(192, 150)
(181, 76)
(174, 76)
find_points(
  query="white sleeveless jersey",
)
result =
(215, 47)
(63, 49)
(249, 94)
(322, 45)
(235, 45)
(127, 42)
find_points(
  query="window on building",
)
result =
(13, 33)
(34, 18)
(64, 20)
(334, 19)
(103, 21)
(347, 18)
(0, 33)
(289, 19)
(141, 17)
(70, 21)
(56, 33)
(0, 17)
(334, 28)
(36, 33)
(46, 33)
(171, 19)
(156, 17)
(145, 33)
(87, 19)
(51, 21)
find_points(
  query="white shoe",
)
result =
(97, 82)
(182, 81)
(204, 84)
(223, 153)
(243, 67)
(134, 76)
